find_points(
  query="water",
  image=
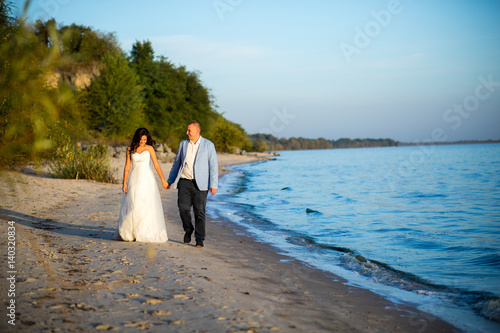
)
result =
(415, 224)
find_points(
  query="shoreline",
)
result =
(72, 276)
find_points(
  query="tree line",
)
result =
(268, 142)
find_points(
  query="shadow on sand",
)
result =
(58, 227)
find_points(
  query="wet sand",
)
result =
(71, 276)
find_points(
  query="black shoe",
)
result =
(199, 243)
(187, 238)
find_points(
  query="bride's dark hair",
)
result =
(137, 138)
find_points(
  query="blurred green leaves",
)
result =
(27, 105)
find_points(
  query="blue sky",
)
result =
(410, 70)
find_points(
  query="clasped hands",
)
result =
(167, 187)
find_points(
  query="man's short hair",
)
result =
(195, 122)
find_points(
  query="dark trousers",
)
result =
(190, 196)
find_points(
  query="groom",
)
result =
(195, 171)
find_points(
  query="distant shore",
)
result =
(463, 142)
(273, 143)
(72, 276)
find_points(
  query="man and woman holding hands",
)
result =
(194, 173)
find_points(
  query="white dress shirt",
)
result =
(187, 170)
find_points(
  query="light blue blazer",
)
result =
(205, 169)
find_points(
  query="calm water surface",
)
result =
(416, 224)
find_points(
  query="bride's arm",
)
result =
(126, 171)
(152, 152)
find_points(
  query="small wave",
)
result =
(342, 198)
(421, 195)
(483, 303)
(490, 308)
(308, 241)
(237, 190)
(473, 175)
(391, 230)
(271, 201)
(384, 273)
(377, 270)
(487, 260)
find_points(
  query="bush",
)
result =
(227, 136)
(69, 161)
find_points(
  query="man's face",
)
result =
(193, 132)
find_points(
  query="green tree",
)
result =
(166, 103)
(260, 146)
(199, 100)
(43, 30)
(227, 136)
(142, 56)
(71, 116)
(156, 80)
(85, 45)
(173, 96)
(114, 99)
(8, 23)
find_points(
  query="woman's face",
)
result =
(143, 141)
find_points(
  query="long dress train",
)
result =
(141, 213)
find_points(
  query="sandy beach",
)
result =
(69, 275)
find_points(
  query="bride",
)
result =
(141, 213)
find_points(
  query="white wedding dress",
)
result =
(141, 213)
